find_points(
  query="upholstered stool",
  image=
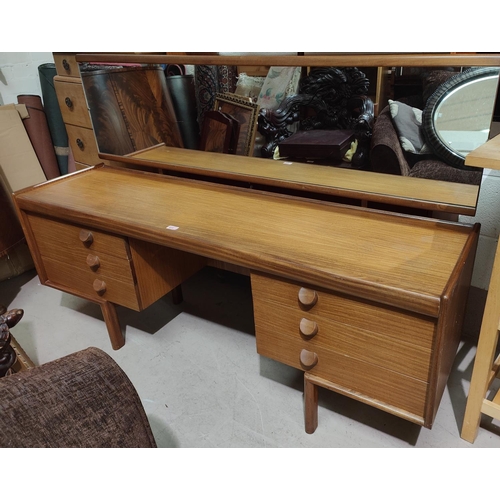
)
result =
(83, 400)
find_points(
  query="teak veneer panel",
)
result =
(389, 258)
(396, 325)
(359, 185)
(387, 291)
(376, 382)
(378, 349)
(136, 272)
(160, 269)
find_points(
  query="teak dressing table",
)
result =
(367, 303)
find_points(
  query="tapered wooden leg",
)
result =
(113, 325)
(310, 405)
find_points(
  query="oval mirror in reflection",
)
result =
(457, 117)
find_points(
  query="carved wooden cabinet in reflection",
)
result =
(131, 109)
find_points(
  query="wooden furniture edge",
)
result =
(447, 340)
(328, 59)
(486, 156)
(311, 382)
(189, 167)
(412, 301)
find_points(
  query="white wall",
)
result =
(19, 75)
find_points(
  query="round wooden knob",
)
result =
(86, 237)
(68, 102)
(308, 359)
(308, 297)
(308, 328)
(99, 286)
(93, 262)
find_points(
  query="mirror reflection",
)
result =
(283, 113)
(458, 116)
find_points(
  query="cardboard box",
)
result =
(317, 144)
(19, 165)
(19, 168)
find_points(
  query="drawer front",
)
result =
(384, 386)
(98, 268)
(83, 145)
(72, 103)
(313, 333)
(89, 284)
(392, 323)
(54, 238)
(66, 65)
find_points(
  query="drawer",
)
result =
(83, 145)
(383, 386)
(390, 322)
(100, 268)
(84, 282)
(72, 102)
(315, 333)
(379, 352)
(66, 65)
(55, 238)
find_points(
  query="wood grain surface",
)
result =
(393, 259)
(358, 185)
(486, 156)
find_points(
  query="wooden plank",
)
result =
(326, 384)
(485, 355)
(491, 409)
(376, 187)
(486, 155)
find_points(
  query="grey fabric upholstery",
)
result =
(83, 400)
(387, 155)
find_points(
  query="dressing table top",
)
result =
(335, 181)
(393, 259)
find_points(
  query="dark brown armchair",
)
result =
(83, 400)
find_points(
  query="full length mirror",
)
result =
(163, 111)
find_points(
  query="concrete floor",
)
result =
(202, 383)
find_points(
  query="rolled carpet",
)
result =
(37, 128)
(57, 129)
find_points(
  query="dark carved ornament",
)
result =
(8, 319)
(328, 98)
